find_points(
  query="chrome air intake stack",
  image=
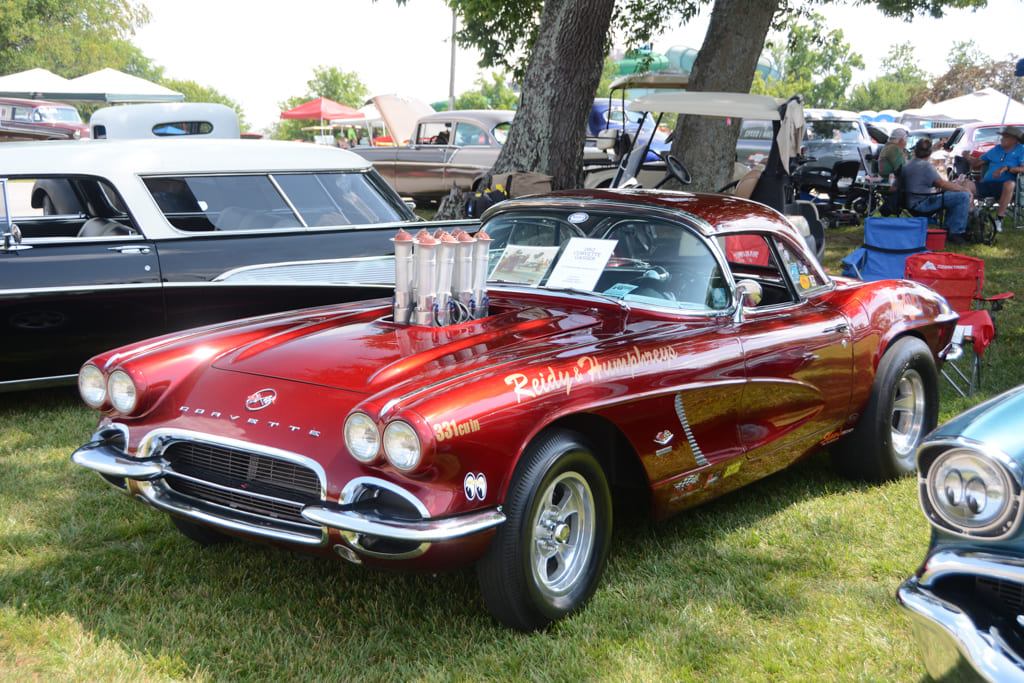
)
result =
(402, 303)
(440, 279)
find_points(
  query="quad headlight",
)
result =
(362, 438)
(121, 389)
(972, 494)
(92, 385)
(402, 445)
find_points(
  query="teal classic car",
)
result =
(966, 601)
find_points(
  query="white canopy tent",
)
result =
(106, 85)
(985, 105)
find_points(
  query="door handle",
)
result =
(841, 328)
(124, 249)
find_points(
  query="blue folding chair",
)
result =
(887, 244)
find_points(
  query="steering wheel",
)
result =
(674, 169)
(652, 284)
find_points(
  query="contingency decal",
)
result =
(588, 370)
(475, 486)
(698, 455)
(688, 485)
(449, 429)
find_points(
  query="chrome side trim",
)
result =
(79, 289)
(373, 269)
(37, 383)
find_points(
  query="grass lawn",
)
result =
(790, 579)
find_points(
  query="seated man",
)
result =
(928, 191)
(893, 154)
(1005, 161)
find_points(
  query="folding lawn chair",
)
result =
(887, 244)
(960, 279)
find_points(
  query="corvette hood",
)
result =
(367, 355)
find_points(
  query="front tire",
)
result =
(546, 559)
(902, 408)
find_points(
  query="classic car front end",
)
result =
(966, 602)
(670, 345)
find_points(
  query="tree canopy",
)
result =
(68, 37)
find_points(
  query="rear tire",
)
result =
(902, 408)
(546, 560)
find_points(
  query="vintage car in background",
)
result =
(39, 120)
(112, 241)
(446, 148)
(966, 601)
(670, 346)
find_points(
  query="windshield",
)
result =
(56, 114)
(835, 130)
(641, 260)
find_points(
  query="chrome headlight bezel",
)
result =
(92, 386)
(362, 437)
(968, 492)
(402, 446)
(122, 392)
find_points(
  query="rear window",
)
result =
(270, 201)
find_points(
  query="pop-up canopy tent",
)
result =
(106, 85)
(985, 105)
(321, 108)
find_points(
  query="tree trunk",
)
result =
(726, 62)
(548, 132)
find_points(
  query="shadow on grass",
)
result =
(244, 611)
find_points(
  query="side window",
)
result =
(782, 271)
(804, 277)
(328, 199)
(203, 203)
(467, 134)
(433, 133)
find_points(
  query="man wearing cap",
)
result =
(1005, 161)
(893, 154)
(927, 191)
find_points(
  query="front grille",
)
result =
(1008, 594)
(241, 484)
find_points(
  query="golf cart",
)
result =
(770, 185)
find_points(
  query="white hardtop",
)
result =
(109, 158)
(146, 120)
(823, 114)
(722, 104)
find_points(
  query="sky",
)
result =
(261, 52)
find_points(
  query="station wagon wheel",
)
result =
(902, 408)
(545, 561)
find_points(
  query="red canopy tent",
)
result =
(321, 108)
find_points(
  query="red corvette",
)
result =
(674, 346)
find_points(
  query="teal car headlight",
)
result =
(972, 494)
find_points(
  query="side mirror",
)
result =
(748, 295)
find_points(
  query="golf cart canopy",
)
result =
(723, 104)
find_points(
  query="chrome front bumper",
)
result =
(954, 647)
(114, 464)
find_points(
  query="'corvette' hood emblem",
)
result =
(260, 400)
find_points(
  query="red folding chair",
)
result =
(961, 280)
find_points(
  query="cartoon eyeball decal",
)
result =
(475, 486)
